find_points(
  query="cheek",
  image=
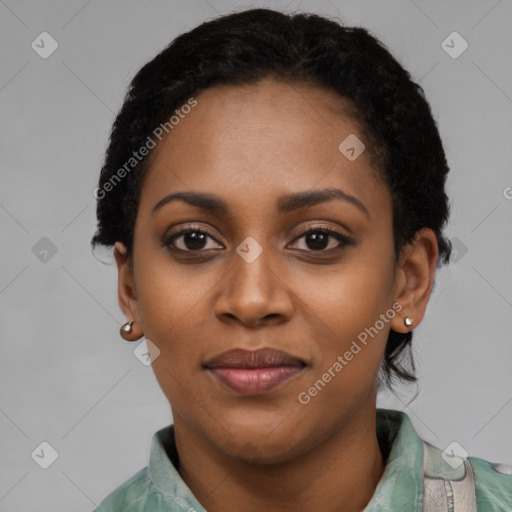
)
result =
(350, 299)
(169, 296)
(350, 341)
(351, 334)
(166, 307)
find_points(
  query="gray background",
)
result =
(69, 379)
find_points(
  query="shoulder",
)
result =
(129, 496)
(493, 483)
(139, 494)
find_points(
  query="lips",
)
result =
(254, 372)
(262, 358)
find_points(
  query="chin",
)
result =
(262, 442)
(256, 454)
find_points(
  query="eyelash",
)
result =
(344, 240)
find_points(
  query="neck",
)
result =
(340, 474)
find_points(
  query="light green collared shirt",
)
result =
(159, 487)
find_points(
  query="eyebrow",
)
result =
(285, 204)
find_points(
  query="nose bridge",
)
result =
(252, 273)
(253, 289)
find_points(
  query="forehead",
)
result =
(263, 140)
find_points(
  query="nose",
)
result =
(254, 294)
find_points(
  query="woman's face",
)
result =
(255, 281)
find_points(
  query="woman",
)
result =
(274, 194)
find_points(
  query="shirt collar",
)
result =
(399, 489)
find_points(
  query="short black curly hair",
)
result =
(245, 47)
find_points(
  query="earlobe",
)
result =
(415, 278)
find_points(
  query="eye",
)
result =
(190, 239)
(194, 239)
(317, 240)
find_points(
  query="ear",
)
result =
(126, 293)
(415, 278)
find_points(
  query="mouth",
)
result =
(254, 372)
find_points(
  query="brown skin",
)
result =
(249, 145)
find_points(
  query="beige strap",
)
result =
(464, 497)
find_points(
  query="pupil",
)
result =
(194, 240)
(319, 241)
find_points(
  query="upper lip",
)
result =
(261, 358)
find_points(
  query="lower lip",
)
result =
(255, 381)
